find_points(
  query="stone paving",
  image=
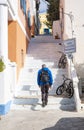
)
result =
(42, 120)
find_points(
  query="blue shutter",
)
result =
(29, 21)
(23, 5)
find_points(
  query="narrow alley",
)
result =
(42, 49)
(40, 35)
(26, 112)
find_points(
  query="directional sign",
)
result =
(69, 46)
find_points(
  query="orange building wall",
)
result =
(17, 40)
(21, 46)
(17, 44)
(12, 41)
(32, 25)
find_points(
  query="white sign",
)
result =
(70, 46)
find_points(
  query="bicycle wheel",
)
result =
(63, 65)
(59, 65)
(60, 90)
(70, 90)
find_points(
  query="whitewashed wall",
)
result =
(13, 5)
(56, 28)
(77, 9)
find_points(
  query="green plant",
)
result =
(2, 65)
(52, 12)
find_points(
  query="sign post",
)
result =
(69, 48)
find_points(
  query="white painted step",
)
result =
(34, 103)
(38, 107)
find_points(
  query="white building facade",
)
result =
(6, 13)
(74, 27)
(13, 24)
(72, 19)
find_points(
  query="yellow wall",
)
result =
(43, 19)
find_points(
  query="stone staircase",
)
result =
(34, 103)
(28, 94)
(45, 39)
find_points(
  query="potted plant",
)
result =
(57, 36)
(2, 65)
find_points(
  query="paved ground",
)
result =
(25, 119)
(42, 120)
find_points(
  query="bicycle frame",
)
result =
(66, 87)
(62, 61)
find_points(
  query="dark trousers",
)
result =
(44, 93)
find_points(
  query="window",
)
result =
(23, 6)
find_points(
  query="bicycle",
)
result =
(62, 61)
(66, 88)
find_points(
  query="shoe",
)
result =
(46, 103)
(43, 104)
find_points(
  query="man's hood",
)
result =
(45, 68)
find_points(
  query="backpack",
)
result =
(44, 76)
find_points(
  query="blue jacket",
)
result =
(39, 82)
